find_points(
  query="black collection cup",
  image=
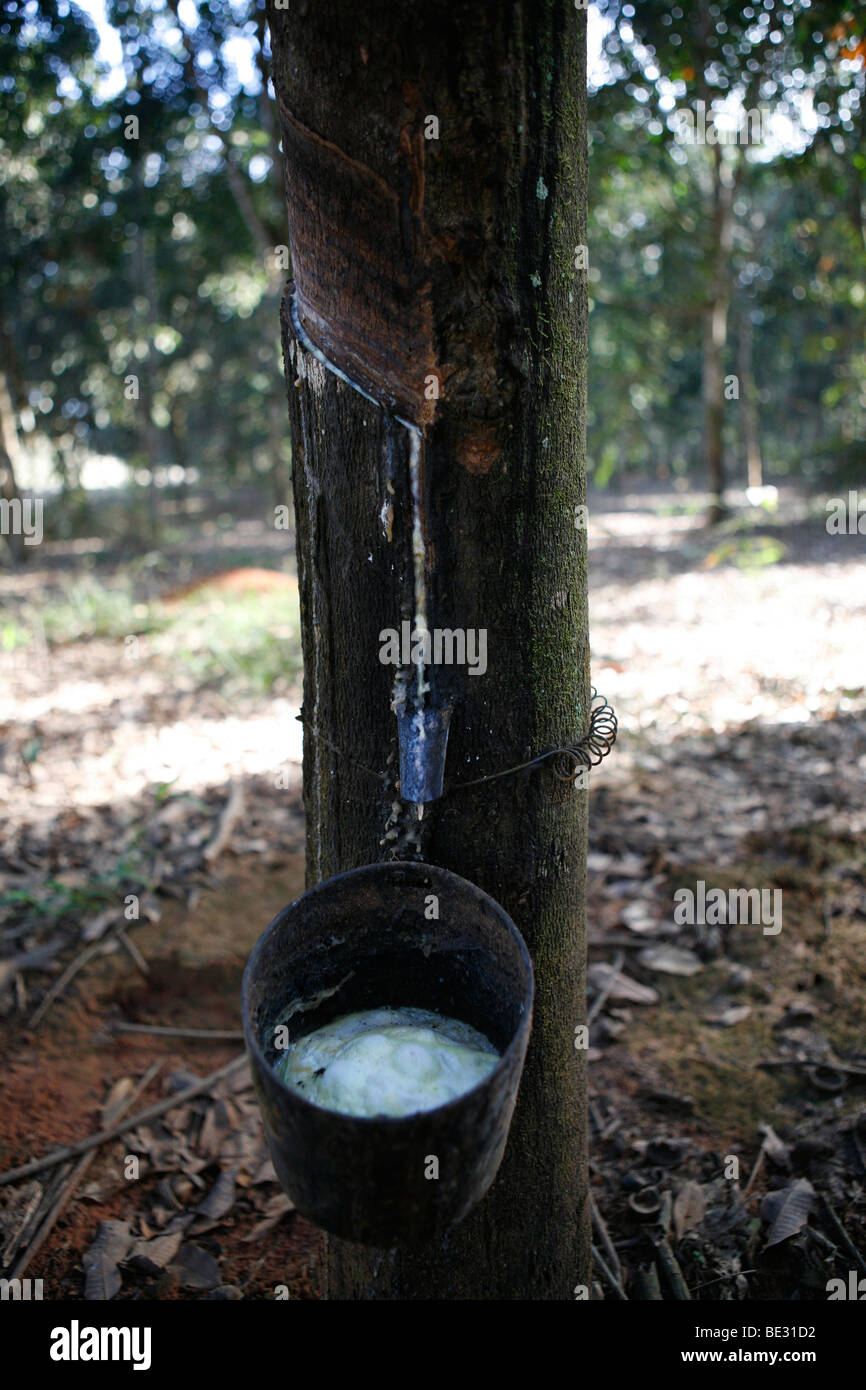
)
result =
(368, 939)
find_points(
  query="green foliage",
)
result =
(140, 252)
(243, 644)
(53, 900)
(748, 552)
(88, 608)
(796, 268)
(153, 257)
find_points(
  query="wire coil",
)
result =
(568, 761)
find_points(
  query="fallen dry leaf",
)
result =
(624, 987)
(278, 1207)
(195, 1268)
(670, 960)
(153, 1255)
(102, 1277)
(115, 1099)
(774, 1147)
(689, 1207)
(787, 1210)
(725, 1014)
(218, 1201)
(640, 917)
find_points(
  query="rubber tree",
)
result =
(435, 338)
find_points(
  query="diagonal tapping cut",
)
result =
(360, 260)
(423, 728)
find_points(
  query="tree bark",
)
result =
(716, 333)
(449, 265)
(8, 460)
(715, 314)
(144, 315)
(749, 395)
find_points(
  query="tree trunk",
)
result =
(435, 267)
(749, 394)
(8, 461)
(716, 334)
(144, 317)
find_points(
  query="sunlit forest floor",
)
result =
(150, 756)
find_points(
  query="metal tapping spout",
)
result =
(423, 742)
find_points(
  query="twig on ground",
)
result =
(37, 1165)
(232, 812)
(759, 1163)
(669, 1264)
(83, 958)
(811, 1062)
(15, 1239)
(29, 960)
(609, 1276)
(163, 1031)
(842, 1233)
(63, 980)
(735, 1274)
(602, 996)
(131, 949)
(595, 1116)
(72, 1181)
(604, 1236)
(649, 1288)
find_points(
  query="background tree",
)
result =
(141, 222)
(695, 200)
(199, 191)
